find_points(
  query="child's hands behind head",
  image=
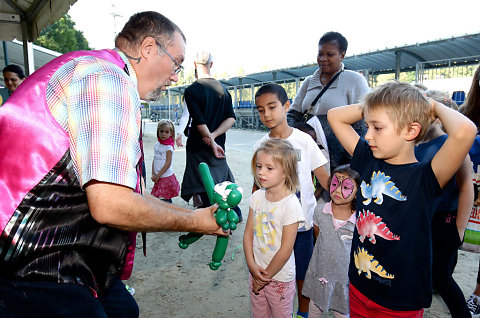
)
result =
(432, 104)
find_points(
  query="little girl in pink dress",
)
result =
(166, 184)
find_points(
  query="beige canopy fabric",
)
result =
(24, 19)
(31, 15)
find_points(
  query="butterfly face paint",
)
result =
(334, 184)
(345, 183)
(347, 188)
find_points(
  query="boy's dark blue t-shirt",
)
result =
(390, 261)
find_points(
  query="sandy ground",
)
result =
(171, 282)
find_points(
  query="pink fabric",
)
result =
(25, 121)
(166, 188)
(168, 141)
(327, 209)
(274, 300)
(130, 257)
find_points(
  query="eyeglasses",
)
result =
(179, 68)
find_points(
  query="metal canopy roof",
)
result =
(384, 61)
(466, 47)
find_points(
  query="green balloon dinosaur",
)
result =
(227, 195)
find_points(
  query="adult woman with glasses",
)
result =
(330, 86)
(340, 87)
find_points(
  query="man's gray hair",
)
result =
(144, 24)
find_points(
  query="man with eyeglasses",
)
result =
(211, 114)
(71, 186)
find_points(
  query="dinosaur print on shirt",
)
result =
(380, 185)
(369, 225)
(365, 262)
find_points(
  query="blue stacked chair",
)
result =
(458, 97)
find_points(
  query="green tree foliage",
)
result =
(62, 37)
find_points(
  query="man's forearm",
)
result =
(120, 207)
(224, 127)
(204, 131)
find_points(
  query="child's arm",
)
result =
(257, 272)
(168, 163)
(322, 176)
(318, 192)
(461, 133)
(341, 120)
(465, 195)
(289, 234)
(316, 230)
(154, 176)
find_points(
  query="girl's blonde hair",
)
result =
(284, 156)
(169, 124)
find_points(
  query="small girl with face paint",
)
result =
(326, 280)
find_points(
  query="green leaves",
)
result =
(62, 37)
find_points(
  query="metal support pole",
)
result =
(238, 122)
(169, 104)
(5, 53)
(27, 48)
(235, 98)
(252, 105)
(398, 59)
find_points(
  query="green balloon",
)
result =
(223, 214)
(187, 239)
(219, 252)
(232, 216)
(234, 198)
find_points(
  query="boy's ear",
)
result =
(413, 130)
(287, 105)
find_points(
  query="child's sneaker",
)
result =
(131, 290)
(473, 304)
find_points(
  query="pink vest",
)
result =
(32, 143)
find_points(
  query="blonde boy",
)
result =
(390, 262)
(272, 105)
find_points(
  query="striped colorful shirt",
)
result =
(98, 105)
